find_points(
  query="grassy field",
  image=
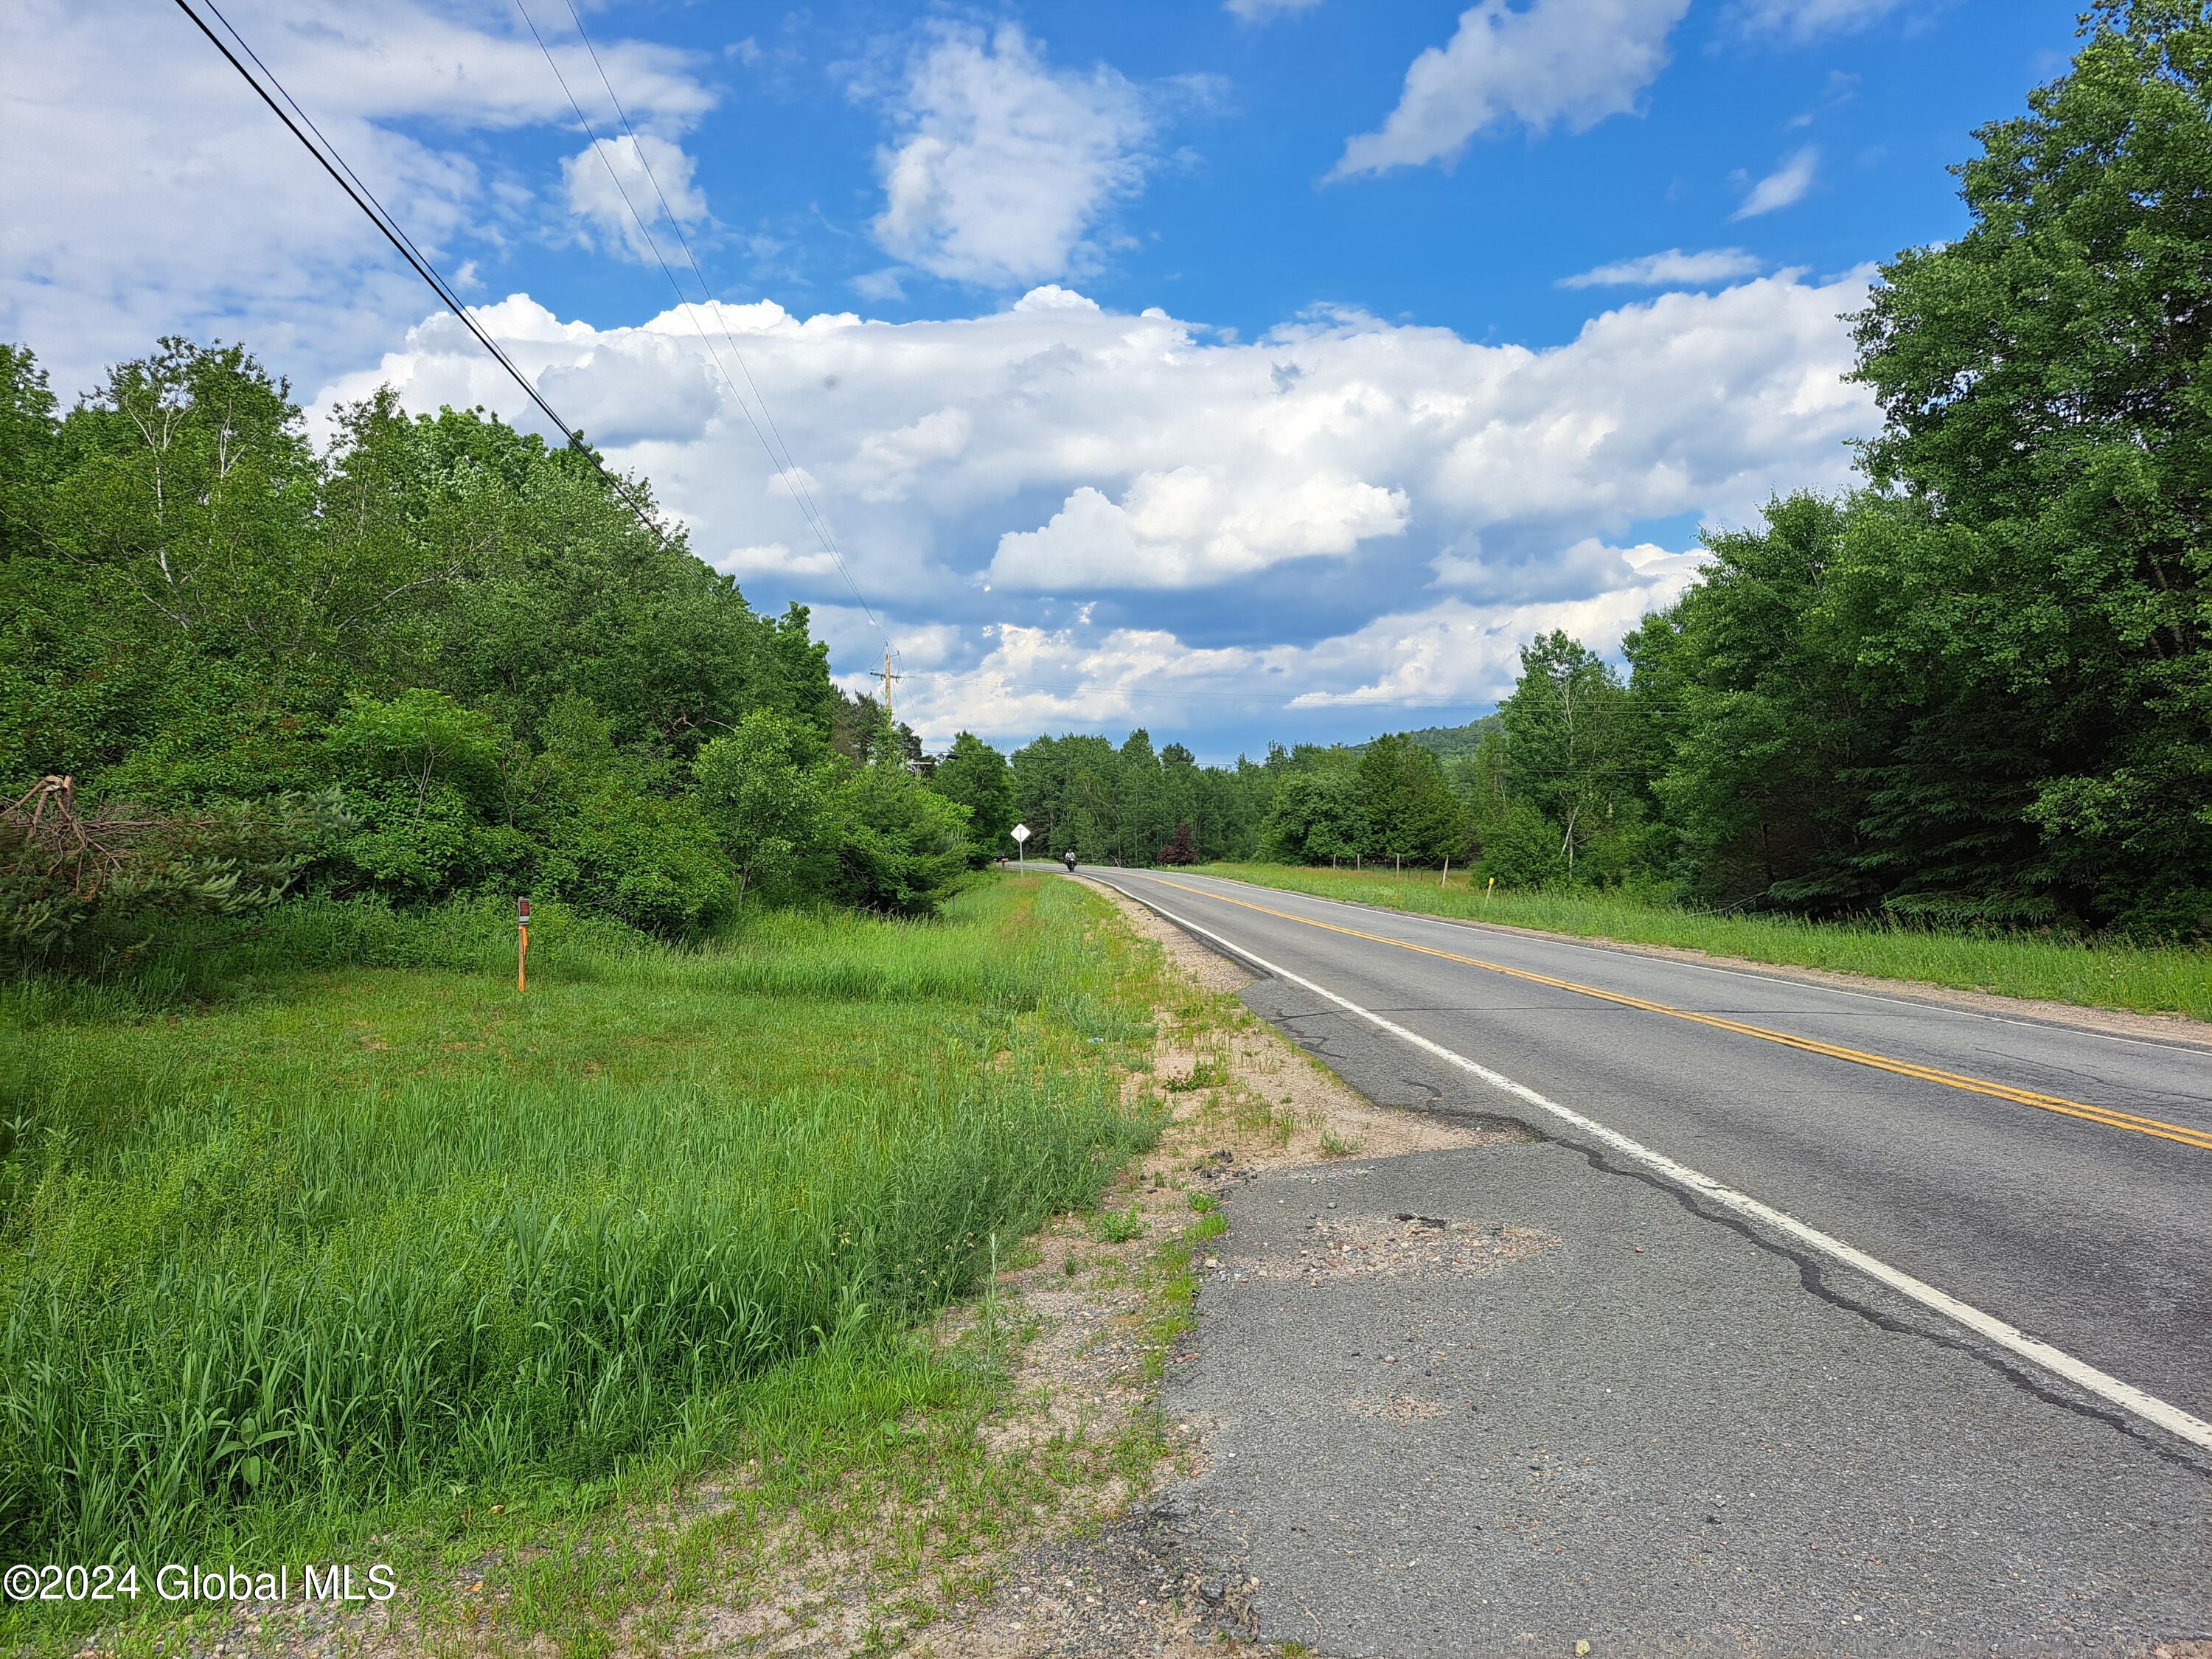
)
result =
(2094, 972)
(290, 1257)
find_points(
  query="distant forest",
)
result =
(1451, 742)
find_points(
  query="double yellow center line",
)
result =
(2104, 1115)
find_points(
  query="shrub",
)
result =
(614, 839)
(420, 773)
(767, 789)
(902, 848)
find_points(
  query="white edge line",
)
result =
(1767, 973)
(2083, 1376)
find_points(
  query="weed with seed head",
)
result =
(1210, 1072)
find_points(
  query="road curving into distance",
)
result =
(2055, 1179)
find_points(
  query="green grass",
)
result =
(2095, 973)
(291, 1252)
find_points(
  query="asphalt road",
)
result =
(1726, 1441)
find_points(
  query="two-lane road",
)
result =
(2054, 1178)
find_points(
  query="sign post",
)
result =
(522, 948)
(1021, 833)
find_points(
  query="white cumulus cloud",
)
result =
(1189, 528)
(1573, 62)
(1143, 518)
(630, 187)
(1783, 187)
(1456, 653)
(774, 559)
(1673, 269)
(1004, 165)
(1587, 569)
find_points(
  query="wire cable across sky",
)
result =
(336, 164)
(791, 476)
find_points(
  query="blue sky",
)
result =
(1248, 370)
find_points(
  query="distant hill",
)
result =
(1449, 742)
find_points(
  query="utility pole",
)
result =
(890, 677)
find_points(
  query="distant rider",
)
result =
(1068, 859)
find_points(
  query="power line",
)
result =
(785, 469)
(341, 172)
(794, 474)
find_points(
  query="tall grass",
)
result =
(349, 1233)
(2099, 973)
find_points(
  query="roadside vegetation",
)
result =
(364, 1234)
(2094, 972)
(433, 658)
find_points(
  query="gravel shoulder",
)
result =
(1127, 1574)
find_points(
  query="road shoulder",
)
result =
(1509, 1399)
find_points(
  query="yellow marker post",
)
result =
(1487, 892)
(522, 950)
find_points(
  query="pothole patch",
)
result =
(1400, 1408)
(1365, 1246)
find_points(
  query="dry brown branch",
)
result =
(88, 848)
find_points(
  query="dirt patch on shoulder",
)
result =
(1104, 1306)
(1306, 1113)
(1205, 966)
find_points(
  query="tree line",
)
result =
(435, 658)
(1133, 802)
